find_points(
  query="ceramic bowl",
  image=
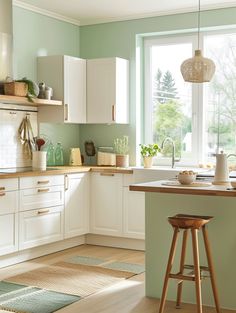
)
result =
(186, 177)
(233, 183)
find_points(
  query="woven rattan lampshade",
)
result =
(198, 69)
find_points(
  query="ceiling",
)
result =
(85, 12)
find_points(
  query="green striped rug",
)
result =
(24, 299)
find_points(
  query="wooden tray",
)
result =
(194, 184)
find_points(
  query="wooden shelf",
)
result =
(25, 101)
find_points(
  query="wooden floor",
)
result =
(127, 296)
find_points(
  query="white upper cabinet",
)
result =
(107, 91)
(67, 77)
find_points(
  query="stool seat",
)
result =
(187, 221)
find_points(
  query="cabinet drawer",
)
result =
(8, 184)
(38, 227)
(41, 181)
(42, 197)
(8, 233)
(8, 202)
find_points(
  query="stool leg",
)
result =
(211, 269)
(197, 269)
(181, 268)
(168, 269)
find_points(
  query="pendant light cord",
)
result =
(198, 20)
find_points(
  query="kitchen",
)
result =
(36, 34)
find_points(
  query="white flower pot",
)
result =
(147, 161)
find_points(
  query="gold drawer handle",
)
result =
(44, 190)
(43, 182)
(107, 174)
(43, 211)
(2, 188)
(2, 194)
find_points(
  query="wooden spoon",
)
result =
(40, 142)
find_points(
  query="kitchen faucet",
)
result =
(173, 149)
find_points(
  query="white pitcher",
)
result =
(221, 171)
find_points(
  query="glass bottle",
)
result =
(50, 155)
(59, 159)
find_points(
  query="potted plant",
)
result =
(148, 151)
(21, 87)
(121, 148)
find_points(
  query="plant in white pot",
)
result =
(121, 148)
(148, 152)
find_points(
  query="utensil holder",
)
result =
(39, 160)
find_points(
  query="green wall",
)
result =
(119, 39)
(33, 35)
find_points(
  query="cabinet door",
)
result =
(74, 90)
(106, 204)
(8, 233)
(38, 227)
(107, 90)
(76, 204)
(134, 214)
(67, 77)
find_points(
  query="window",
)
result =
(200, 118)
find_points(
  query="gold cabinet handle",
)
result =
(113, 114)
(2, 188)
(66, 182)
(45, 211)
(107, 174)
(44, 190)
(43, 182)
(66, 111)
(2, 194)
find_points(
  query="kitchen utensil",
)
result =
(221, 171)
(39, 143)
(39, 160)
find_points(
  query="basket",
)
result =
(18, 89)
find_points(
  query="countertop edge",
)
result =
(67, 170)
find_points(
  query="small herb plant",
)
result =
(121, 145)
(149, 150)
(31, 88)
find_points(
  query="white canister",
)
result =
(39, 160)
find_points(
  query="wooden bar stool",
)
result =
(187, 223)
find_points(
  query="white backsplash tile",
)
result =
(11, 149)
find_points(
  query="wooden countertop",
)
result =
(61, 170)
(211, 190)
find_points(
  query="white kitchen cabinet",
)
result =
(8, 216)
(106, 204)
(133, 214)
(107, 90)
(42, 226)
(76, 204)
(67, 77)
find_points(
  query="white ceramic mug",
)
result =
(39, 160)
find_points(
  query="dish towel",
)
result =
(26, 137)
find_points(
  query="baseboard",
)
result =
(116, 242)
(28, 254)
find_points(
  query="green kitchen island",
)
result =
(162, 201)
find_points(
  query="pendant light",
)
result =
(198, 69)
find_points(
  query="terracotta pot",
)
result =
(147, 161)
(122, 160)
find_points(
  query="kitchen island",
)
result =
(162, 201)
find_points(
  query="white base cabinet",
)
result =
(133, 214)
(8, 215)
(76, 204)
(106, 204)
(38, 227)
